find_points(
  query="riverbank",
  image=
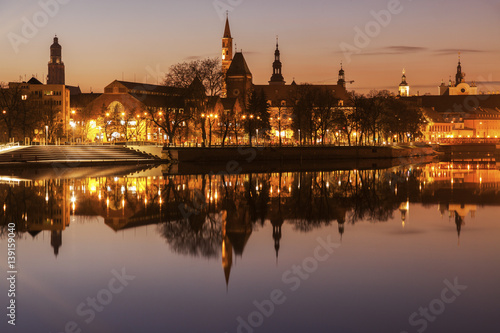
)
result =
(303, 155)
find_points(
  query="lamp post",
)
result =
(46, 134)
(73, 125)
(210, 123)
(250, 120)
(300, 142)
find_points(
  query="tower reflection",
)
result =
(214, 216)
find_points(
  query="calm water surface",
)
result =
(409, 249)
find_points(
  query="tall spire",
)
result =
(277, 77)
(227, 51)
(459, 77)
(227, 30)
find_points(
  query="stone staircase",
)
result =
(48, 154)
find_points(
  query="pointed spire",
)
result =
(277, 77)
(459, 78)
(459, 222)
(227, 30)
(403, 78)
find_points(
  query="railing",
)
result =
(470, 140)
(9, 145)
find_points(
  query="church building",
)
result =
(239, 79)
(459, 86)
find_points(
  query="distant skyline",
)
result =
(139, 41)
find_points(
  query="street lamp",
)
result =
(73, 125)
(46, 134)
(210, 123)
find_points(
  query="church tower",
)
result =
(227, 47)
(404, 88)
(277, 77)
(459, 77)
(239, 80)
(341, 80)
(56, 66)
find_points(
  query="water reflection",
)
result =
(213, 216)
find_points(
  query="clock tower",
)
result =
(56, 66)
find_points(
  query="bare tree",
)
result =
(209, 71)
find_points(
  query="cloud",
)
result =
(193, 58)
(455, 51)
(394, 50)
(251, 52)
(404, 49)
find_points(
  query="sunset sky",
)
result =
(139, 40)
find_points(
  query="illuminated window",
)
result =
(24, 97)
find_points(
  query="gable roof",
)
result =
(34, 80)
(238, 66)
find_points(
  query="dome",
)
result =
(56, 44)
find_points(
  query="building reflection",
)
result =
(214, 216)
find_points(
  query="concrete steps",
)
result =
(45, 154)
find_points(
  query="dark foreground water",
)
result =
(410, 249)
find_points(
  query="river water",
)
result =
(407, 249)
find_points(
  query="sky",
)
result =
(107, 40)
